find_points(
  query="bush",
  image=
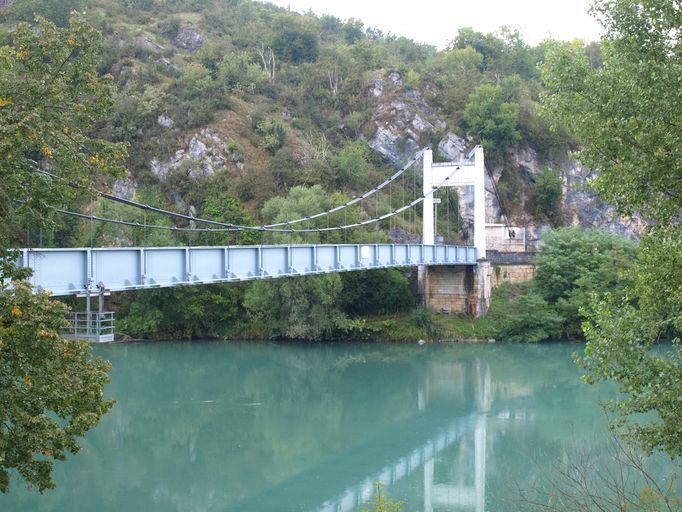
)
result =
(575, 262)
(547, 191)
(519, 314)
(374, 292)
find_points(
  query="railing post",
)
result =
(88, 311)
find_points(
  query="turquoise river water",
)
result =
(207, 426)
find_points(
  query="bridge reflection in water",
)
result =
(468, 492)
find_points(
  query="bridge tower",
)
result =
(456, 289)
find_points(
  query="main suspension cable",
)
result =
(393, 213)
(192, 218)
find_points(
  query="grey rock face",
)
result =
(124, 188)
(378, 87)
(404, 121)
(452, 147)
(204, 154)
(396, 78)
(165, 121)
(586, 209)
(188, 39)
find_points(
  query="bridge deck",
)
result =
(74, 271)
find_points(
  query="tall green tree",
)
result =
(50, 98)
(51, 389)
(493, 119)
(626, 115)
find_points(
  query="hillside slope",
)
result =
(242, 101)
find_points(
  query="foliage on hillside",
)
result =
(230, 106)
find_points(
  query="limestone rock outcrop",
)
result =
(188, 39)
(204, 154)
(404, 122)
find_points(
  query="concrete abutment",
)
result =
(457, 289)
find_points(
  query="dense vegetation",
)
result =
(287, 94)
(626, 114)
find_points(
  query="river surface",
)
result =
(204, 426)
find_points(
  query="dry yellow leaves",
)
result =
(5, 101)
(16, 312)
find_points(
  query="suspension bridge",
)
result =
(97, 271)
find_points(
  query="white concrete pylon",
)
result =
(454, 174)
(428, 232)
(479, 202)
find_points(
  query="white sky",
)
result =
(436, 21)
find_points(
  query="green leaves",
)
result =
(492, 118)
(626, 115)
(623, 348)
(51, 389)
(51, 97)
(303, 308)
(573, 263)
(547, 192)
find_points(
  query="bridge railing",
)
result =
(82, 270)
(92, 326)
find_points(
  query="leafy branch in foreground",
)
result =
(382, 502)
(605, 477)
(51, 389)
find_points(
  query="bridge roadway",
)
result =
(79, 271)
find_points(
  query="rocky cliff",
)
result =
(403, 122)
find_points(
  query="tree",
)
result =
(575, 262)
(303, 308)
(50, 97)
(547, 193)
(377, 291)
(295, 39)
(352, 165)
(626, 113)
(519, 313)
(493, 119)
(626, 116)
(51, 389)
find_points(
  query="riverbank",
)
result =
(418, 324)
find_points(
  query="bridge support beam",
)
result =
(456, 289)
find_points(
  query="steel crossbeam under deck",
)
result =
(82, 270)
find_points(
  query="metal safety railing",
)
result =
(94, 325)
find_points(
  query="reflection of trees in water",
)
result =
(235, 420)
(217, 426)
